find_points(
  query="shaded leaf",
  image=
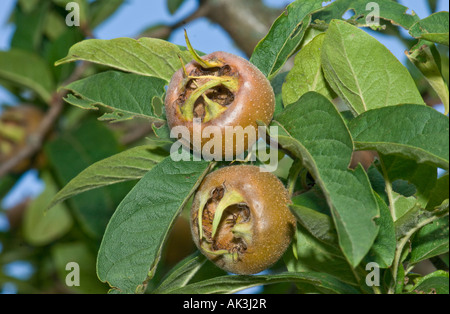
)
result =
(182, 273)
(231, 284)
(433, 28)
(415, 132)
(74, 151)
(383, 250)
(426, 58)
(131, 164)
(27, 69)
(430, 241)
(326, 152)
(434, 283)
(40, 228)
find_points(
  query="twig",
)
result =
(36, 140)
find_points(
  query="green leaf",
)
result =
(27, 69)
(319, 225)
(398, 169)
(100, 10)
(174, 5)
(63, 253)
(375, 80)
(74, 151)
(383, 249)
(439, 193)
(131, 164)
(128, 95)
(426, 58)
(182, 273)
(145, 56)
(40, 228)
(233, 283)
(412, 131)
(284, 36)
(389, 10)
(131, 246)
(326, 152)
(316, 247)
(307, 74)
(433, 28)
(434, 283)
(30, 24)
(430, 241)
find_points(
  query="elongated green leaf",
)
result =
(131, 164)
(434, 283)
(316, 246)
(101, 10)
(181, 274)
(439, 193)
(412, 131)
(146, 56)
(231, 284)
(422, 176)
(383, 250)
(326, 152)
(376, 80)
(433, 28)
(131, 246)
(307, 74)
(426, 58)
(174, 5)
(27, 69)
(284, 36)
(388, 10)
(319, 225)
(73, 152)
(64, 253)
(431, 240)
(40, 228)
(127, 95)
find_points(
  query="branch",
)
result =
(36, 140)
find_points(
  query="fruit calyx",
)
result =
(208, 89)
(224, 220)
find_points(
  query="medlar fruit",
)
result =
(219, 89)
(240, 219)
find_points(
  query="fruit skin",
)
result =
(254, 99)
(272, 223)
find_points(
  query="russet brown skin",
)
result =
(272, 223)
(253, 101)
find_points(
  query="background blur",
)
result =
(208, 32)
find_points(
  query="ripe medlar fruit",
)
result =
(219, 89)
(240, 219)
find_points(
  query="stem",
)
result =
(401, 245)
(389, 190)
